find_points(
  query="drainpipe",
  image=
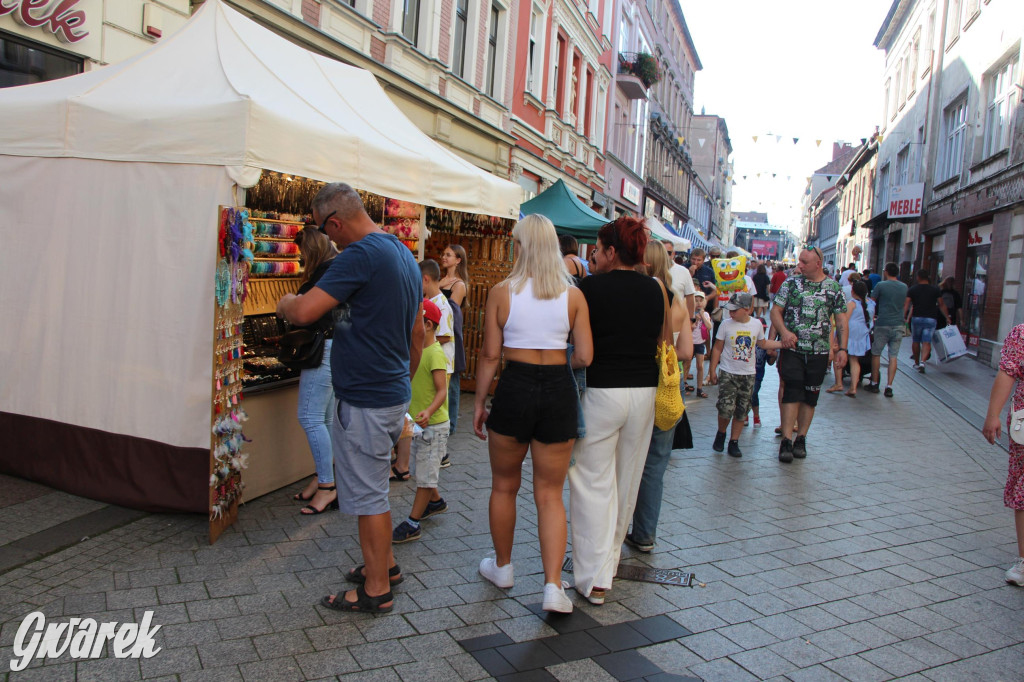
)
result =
(932, 118)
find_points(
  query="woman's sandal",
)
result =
(701, 394)
(299, 498)
(364, 603)
(357, 576)
(689, 389)
(397, 475)
(310, 510)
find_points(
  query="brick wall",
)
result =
(480, 79)
(377, 49)
(311, 12)
(382, 13)
(444, 49)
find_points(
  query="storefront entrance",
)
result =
(23, 62)
(975, 286)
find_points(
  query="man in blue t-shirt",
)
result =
(378, 340)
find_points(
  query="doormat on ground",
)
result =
(662, 576)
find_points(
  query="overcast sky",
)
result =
(795, 68)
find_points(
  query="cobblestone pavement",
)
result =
(879, 556)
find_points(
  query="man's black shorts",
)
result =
(802, 375)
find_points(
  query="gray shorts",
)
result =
(362, 438)
(887, 336)
(427, 454)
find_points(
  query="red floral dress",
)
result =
(1012, 362)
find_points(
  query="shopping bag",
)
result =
(948, 344)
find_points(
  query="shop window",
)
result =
(461, 21)
(1000, 95)
(411, 20)
(22, 63)
(975, 287)
(954, 127)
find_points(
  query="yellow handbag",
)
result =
(668, 402)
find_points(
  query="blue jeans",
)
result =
(454, 390)
(316, 413)
(648, 498)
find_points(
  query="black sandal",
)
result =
(397, 475)
(364, 603)
(357, 576)
(310, 510)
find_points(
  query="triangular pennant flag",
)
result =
(773, 175)
(788, 178)
(744, 177)
(758, 175)
(700, 141)
(846, 178)
(755, 139)
(817, 142)
(778, 138)
(863, 140)
(681, 139)
(829, 178)
(795, 140)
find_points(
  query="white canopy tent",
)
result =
(109, 215)
(663, 234)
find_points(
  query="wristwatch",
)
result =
(842, 350)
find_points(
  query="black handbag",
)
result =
(302, 348)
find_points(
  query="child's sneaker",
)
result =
(719, 444)
(757, 421)
(445, 462)
(1015, 576)
(734, 449)
(555, 598)
(405, 532)
(501, 576)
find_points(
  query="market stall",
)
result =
(660, 232)
(567, 212)
(134, 258)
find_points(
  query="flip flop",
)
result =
(397, 475)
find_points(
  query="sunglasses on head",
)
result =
(815, 249)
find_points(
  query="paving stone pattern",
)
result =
(879, 556)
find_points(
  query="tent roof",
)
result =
(663, 234)
(225, 91)
(569, 214)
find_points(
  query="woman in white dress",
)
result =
(860, 312)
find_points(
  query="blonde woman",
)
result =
(316, 393)
(455, 287)
(648, 499)
(528, 320)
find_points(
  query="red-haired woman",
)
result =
(627, 310)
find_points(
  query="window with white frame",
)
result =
(492, 51)
(885, 103)
(954, 130)
(411, 20)
(883, 188)
(952, 22)
(625, 31)
(912, 71)
(535, 52)
(929, 40)
(902, 167)
(461, 22)
(897, 91)
(1000, 98)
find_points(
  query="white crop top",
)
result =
(537, 324)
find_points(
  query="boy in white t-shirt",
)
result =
(445, 336)
(734, 348)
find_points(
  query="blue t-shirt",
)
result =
(380, 288)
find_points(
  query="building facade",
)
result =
(958, 161)
(558, 94)
(712, 148)
(820, 180)
(48, 40)
(824, 226)
(856, 201)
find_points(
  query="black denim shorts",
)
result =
(534, 402)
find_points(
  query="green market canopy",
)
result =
(570, 216)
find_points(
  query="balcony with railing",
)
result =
(637, 72)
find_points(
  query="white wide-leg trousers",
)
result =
(604, 481)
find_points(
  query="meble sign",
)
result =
(905, 201)
(62, 18)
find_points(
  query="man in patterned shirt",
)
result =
(810, 315)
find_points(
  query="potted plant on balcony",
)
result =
(646, 69)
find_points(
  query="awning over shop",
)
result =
(690, 232)
(225, 91)
(570, 215)
(663, 234)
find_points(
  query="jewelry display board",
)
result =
(489, 254)
(234, 257)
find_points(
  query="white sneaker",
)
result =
(555, 598)
(1014, 576)
(499, 575)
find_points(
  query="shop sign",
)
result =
(67, 24)
(979, 236)
(649, 208)
(905, 201)
(667, 215)
(630, 192)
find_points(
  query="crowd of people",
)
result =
(577, 390)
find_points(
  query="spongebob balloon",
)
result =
(729, 273)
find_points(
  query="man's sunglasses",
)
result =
(323, 225)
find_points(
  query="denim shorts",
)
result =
(921, 329)
(699, 348)
(534, 402)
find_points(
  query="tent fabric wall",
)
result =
(569, 214)
(108, 271)
(224, 91)
(662, 234)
